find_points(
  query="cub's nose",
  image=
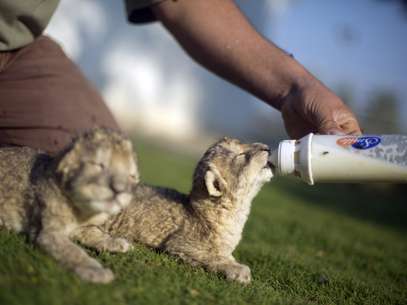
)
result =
(262, 147)
(118, 185)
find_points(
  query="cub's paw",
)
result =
(118, 245)
(239, 273)
(95, 274)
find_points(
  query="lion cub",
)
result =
(53, 198)
(204, 227)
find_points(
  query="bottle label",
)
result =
(359, 142)
(366, 142)
(346, 141)
(389, 148)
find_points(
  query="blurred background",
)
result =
(358, 48)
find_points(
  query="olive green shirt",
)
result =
(21, 21)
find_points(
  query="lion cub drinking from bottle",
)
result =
(53, 199)
(204, 227)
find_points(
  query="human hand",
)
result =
(224, 42)
(314, 108)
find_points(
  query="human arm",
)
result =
(217, 35)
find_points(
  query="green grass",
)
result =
(328, 244)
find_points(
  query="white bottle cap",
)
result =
(286, 164)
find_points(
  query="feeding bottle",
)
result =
(328, 158)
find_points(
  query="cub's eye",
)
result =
(243, 157)
(97, 166)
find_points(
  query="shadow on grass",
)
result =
(378, 203)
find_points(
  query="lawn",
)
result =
(329, 244)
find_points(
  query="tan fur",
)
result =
(204, 227)
(53, 199)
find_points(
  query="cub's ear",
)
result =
(214, 182)
(69, 158)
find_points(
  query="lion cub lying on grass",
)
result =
(53, 199)
(204, 227)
